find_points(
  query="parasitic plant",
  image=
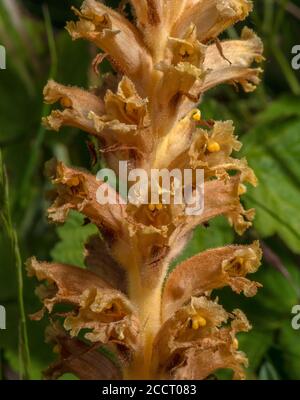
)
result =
(159, 325)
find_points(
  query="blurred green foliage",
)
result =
(268, 122)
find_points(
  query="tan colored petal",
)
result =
(102, 124)
(212, 17)
(126, 105)
(109, 316)
(196, 342)
(126, 117)
(155, 11)
(174, 9)
(178, 79)
(188, 49)
(76, 190)
(175, 144)
(77, 105)
(69, 281)
(232, 64)
(140, 11)
(172, 90)
(242, 52)
(241, 219)
(99, 260)
(222, 198)
(210, 270)
(219, 352)
(76, 357)
(106, 312)
(247, 77)
(113, 33)
(198, 364)
(157, 14)
(216, 161)
(177, 331)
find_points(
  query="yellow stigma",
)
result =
(153, 207)
(235, 343)
(196, 115)
(66, 102)
(213, 147)
(198, 322)
(186, 51)
(242, 189)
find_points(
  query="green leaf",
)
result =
(73, 234)
(217, 234)
(255, 344)
(289, 341)
(74, 61)
(270, 308)
(273, 151)
(268, 372)
(283, 108)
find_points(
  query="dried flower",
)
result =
(158, 326)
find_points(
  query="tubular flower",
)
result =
(156, 324)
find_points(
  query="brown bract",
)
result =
(212, 269)
(196, 341)
(117, 37)
(76, 190)
(78, 358)
(105, 312)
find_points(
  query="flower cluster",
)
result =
(158, 325)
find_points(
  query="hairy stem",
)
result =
(148, 303)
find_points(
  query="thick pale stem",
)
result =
(148, 303)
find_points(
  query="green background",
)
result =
(267, 121)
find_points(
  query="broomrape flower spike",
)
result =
(157, 325)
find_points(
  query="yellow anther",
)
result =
(66, 102)
(235, 343)
(153, 207)
(213, 147)
(242, 189)
(121, 335)
(198, 322)
(196, 115)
